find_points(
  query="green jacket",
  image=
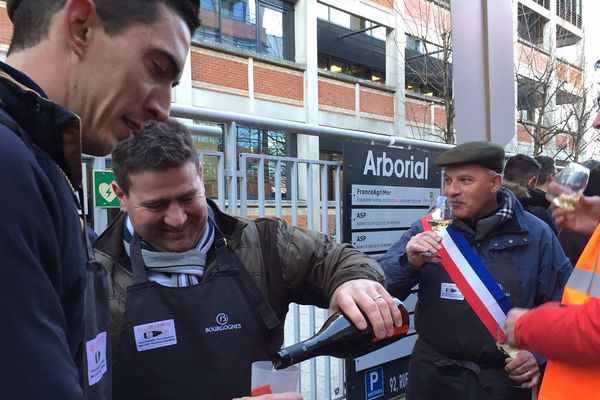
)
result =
(289, 264)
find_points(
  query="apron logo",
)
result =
(222, 319)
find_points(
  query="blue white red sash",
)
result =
(476, 284)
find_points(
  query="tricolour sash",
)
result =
(476, 284)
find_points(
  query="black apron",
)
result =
(449, 330)
(194, 342)
(97, 367)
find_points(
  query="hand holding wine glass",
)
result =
(568, 185)
(441, 218)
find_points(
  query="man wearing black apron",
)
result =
(198, 295)
(455, 356)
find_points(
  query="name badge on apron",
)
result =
(450, 291)
(155, 335)
(96, 358)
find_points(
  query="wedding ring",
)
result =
(377, 297)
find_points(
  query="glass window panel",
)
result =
(339, 17)
(359, 71)
(357, 23)
(339, 66)
(208, 5)
(379, 33)
(239, 23)
(209, 21)
(378, 76)
(323, 61)
(322, 11)
(271, 33)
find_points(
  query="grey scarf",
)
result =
(173, 269)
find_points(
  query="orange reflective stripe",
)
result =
(589, 256)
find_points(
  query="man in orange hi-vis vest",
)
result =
(568, 333)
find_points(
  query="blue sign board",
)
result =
(374, 383)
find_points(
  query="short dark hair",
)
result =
(520, 168)
(547, 168)
(158, 146)
(31, 18)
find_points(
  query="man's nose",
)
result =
(159, 104)
(175, 216)
(450, 189)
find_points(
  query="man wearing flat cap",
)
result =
(455, 356)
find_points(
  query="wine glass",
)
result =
(568, 185)
(507, 349)
(441, 218)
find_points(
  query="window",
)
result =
(261, 26)
(269, 142)
(353, 69)
(350, 44)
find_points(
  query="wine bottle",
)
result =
(339, 337)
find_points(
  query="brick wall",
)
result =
(575, 77)
(386, 3)
(376, 102)
(278, 83)
(522, 135)
(532, 57)
(219, 71)
(417, 111)
(6, 28)
(563, 141)
(336, 94)
(416, 10)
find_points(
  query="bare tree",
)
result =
(551, 101)
(539, 113)
(428, 68)
(580, 136)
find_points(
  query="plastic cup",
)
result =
(267, 380)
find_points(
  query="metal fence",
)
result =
(304, 192)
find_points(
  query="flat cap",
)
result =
(488, 154)
(11, 6)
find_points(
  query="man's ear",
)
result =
(79, 17)
(496, 183)
(532, 182)
(120, 195)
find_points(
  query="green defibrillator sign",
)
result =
(104, 196)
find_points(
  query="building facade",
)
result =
(379, 66)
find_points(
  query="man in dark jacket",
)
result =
(520, 176)
(175, 260)
(546, 175)
(80, 74)
(455, 356)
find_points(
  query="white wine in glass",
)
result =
(441, 218)
(568, 185)
(507, 349)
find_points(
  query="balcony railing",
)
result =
(570, 11)
(543, 3)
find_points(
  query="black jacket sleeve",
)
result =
(38, 361)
